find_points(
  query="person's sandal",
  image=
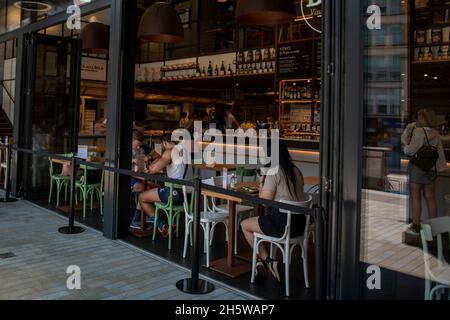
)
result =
(272, 266)
(163, 230)
(260, 268)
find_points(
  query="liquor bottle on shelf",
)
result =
(240, 57)
(230, 71)
(222, 69)
(308, 93)
(250, 56)
(271, 67)
(210, 70)
(255, 68)
(250, 68)
(317, 94)
(216, 71)
(257, 55)
(266, 54)
(204, 72)
(266, 69)
(198, 73)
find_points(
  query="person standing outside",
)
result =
(417, 135)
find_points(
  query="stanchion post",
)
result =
(194, 285)
(319, 261)
(8, 173)
(196, 235)
(72, 229)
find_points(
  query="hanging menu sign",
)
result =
(295, 59)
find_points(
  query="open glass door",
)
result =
(50, 107)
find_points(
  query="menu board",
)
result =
(295, 59)
(318, 58)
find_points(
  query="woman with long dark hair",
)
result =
(286, 184)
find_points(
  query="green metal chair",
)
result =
(60, 181)
(242, 173)
(87, 189)
(172, 212)
(99, 191)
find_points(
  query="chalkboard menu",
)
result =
(318, 57)
(296, 59)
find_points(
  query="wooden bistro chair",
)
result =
(286, 244)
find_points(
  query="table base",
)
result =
(141, 233)
(239, 269)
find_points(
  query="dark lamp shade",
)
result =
(95, 38)
(162, 24)
(265, 12)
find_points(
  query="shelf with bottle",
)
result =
(255, 68)
(435, 53)
(256, 56)
(299, 91)
(178, 67)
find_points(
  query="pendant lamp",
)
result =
(95, 38)
(161, 23)
(265, 12)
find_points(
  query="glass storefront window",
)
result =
(406, 97)
(15, 13)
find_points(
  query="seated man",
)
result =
(172, 161)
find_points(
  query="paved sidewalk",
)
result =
(109, 269)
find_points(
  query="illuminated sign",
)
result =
(311, 8)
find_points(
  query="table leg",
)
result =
(231, 228)
(142, 232)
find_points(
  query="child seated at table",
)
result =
(138, 186)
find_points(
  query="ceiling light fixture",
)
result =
(35, 6)
(265, 12)
(95, 38)
(161, 23)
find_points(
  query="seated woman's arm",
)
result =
(267, 187)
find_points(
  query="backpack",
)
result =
(427, 156)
